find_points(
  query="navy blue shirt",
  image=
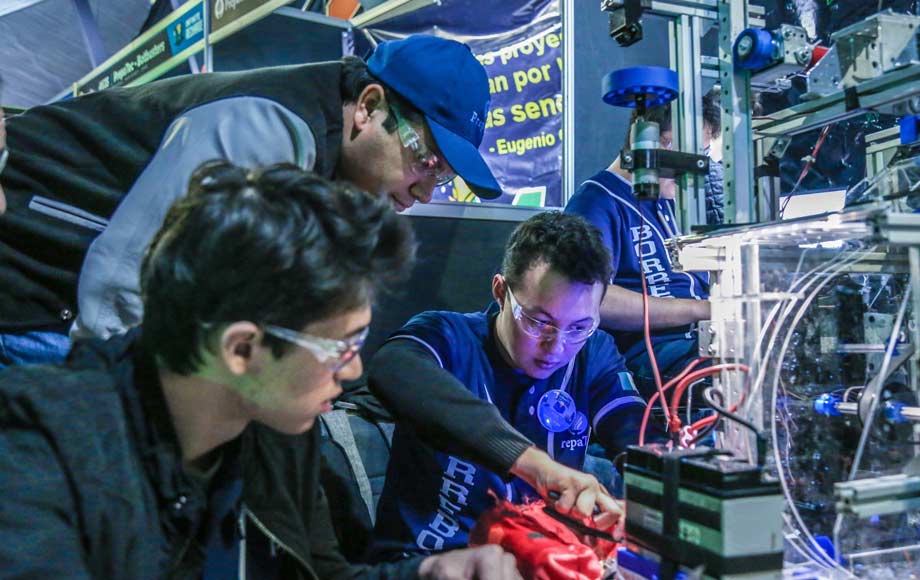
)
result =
(431, 500)
(635, 232)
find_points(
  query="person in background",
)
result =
(635, 233)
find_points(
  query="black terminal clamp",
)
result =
(625, 19)
(641, 87)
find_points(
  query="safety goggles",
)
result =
(424, 160)
(333, 354)
(544, 330)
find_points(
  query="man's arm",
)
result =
(482, 563)
(38, 523)
(414, 387)
(248, 131)
(621, 309)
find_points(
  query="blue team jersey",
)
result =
(431, 500)
(635, 232)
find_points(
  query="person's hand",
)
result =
(575, 493)
(483, 563)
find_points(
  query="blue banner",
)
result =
(523, 138)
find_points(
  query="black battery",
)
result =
(704, 507)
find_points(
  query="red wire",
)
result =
(705, 421)
(694, 376)
(811, 158)
(683, 381)
(651, 402)
(646, 327)
(807, 166)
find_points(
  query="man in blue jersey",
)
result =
(635, 233)
(536, 356)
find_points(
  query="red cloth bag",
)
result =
(545, 548)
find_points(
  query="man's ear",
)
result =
(240, 345)
(372, 99)
(498, 290)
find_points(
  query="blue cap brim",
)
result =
(466, 160)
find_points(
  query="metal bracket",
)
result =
(625, 20)
(874, 388)
(715, 343)
(890, 494)
(668, 163)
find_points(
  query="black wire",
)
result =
(707, 394)
(759, 437)
(705, 432)
(712, 426)
(761, 440)
(619, 465)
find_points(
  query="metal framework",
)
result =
(736, 258)
(688, 21)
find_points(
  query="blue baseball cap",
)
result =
(443, 80)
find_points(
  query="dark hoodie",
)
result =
(92, 483)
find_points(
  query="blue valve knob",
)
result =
(893, 412)
(826, 405)
(909, 126)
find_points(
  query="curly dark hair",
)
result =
(278, 245)
(567, 242)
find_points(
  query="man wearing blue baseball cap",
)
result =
(454, 99)
(90, 179)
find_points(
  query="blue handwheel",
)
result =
(654, 85)
(754, 49)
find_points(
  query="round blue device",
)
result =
(754, 49)
(556, 410)
(655, 85)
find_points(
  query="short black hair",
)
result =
(277, 245)
(356, 77)
(566, 242)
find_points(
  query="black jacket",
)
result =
(72, 162)
(92, 486)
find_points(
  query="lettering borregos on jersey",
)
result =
(656, 276)
(455, 489)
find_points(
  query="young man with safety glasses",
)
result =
(144, 456)
(537, 357)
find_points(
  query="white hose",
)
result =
(889, 351)
(826, 276)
